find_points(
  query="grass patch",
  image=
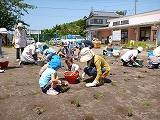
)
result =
(96, 96)
(126, 79)
(139, 76)
(114, 84)
(147, 103)
(4, 96)
(143, 85)
(129, 112)
(42, 110)
(35, 92)
(33, 83)
(123, 89)
(76, 102)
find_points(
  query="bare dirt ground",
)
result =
(128, 93)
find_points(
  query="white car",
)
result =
(30, 41)
(75, 38)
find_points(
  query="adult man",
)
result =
(96, 66)
(130, 57)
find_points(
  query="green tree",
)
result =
(121, 12)
(11, 11)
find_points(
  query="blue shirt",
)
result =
(48, 51)
(46, 76)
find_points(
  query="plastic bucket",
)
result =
(4, 64)
(40, 63)
(109, 53)
(139, 61)
(71, 78)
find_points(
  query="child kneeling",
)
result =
(49, 78)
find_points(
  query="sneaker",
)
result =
(17, 60)
(94, 83)
(20, 62)
(1, 71)
(52, 92)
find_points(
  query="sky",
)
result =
(51, 12)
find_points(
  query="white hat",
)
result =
(38, 45)
(3, 30)
(86, 54)
(140, 49)
(20, 25)
(156, 51)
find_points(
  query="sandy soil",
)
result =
(128, 93)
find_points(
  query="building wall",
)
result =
(139, 18)
(142, 19)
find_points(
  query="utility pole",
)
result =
(135, 6)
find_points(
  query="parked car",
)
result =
(55, 41)
(75, 38)
(30, 41)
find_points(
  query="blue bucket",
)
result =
(109, 53)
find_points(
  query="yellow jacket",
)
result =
(100, 63)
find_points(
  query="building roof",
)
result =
(105, 14)
(132, 25)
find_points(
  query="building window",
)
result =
(87, 23)
(98, 21)
(116, 23)
(91, 21)
(124, 22)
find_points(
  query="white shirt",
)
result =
(27, 53)
(74, 67)
(127, 56)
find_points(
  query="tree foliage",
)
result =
(76, 27)
(10, 12)
(121, 12)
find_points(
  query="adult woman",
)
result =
(20, 40)
(96, 66)
(29, 55)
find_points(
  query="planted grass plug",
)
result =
(114, 84)
(123, 89)
(129, 112)
(147, 103)
(96, 96)
(126, 79)
(35, 92)
(76, 102)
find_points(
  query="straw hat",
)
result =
(140, 49)
(86, 54)
(20, 25)
(3, 30)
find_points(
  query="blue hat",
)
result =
(55, 62)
